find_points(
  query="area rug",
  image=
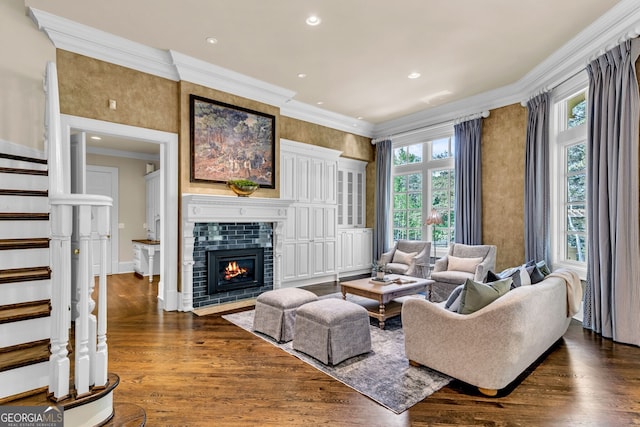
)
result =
(384, 375)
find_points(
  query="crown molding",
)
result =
(619, 23)
(209, 75)
(309, 113)
(88, 41)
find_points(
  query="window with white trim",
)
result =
(569, 177)
(423, 178)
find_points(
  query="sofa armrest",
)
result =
(489, 263)
(421, 258)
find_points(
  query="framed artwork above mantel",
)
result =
(230, 142)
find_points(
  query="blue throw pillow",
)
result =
(453, 302)
(535, 274)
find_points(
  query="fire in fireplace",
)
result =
(231, 269)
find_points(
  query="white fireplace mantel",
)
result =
(199, 208)
(209, 208)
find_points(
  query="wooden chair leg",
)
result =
(488, 391)
(413, 363)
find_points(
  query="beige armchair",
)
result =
(407, 257)
(461, 263)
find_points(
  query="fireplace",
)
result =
(231, 269)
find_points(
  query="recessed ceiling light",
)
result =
(212, 40)
(313, 20)
(302, 75)
(414, 75)
(319, 102)
(97, 138)
(360, 118)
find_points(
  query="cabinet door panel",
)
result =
(317, 181)
(303, 259)
(358, 258)
(290, 224)
(287, 177)
(303, 169)
(330, 182)
(318, 225)
(288, 261)
(302, 223)
(318, 257)
(347, 250)
(330, 256)
(330, 222)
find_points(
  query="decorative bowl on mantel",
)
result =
(242, 187)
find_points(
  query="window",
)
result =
(423, 178)
(568, 177)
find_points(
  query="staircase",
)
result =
(25, 276)
(30, 342)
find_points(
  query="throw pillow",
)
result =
(535, 274)
(453, 302)
(462, 264)
(544, 269)
(518, 275)
(403, 257)
(479, 295)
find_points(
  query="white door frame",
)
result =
(114, 239)
(169, 241)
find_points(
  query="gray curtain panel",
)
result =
(536, 180)
(468, 182)
(384, 157)
(612, 295)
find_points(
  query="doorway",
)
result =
(168, 297)
(103, 180)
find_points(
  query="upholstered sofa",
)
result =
(491, 347)
(407, 257)
(447, 275)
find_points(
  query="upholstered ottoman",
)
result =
(276, 311)
(332, 330)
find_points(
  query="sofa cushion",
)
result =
(453, 277)
(400, 257)
(397, 268)
(477, 295)
(462, 264)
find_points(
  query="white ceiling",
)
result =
(357, 60)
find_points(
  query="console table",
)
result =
(144, 251)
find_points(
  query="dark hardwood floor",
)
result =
(186, 370)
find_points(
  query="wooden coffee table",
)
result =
(384, 294)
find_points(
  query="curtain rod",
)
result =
(483, 114)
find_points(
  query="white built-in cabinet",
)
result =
(351, 189)
(308, 178)
(354, 241)
(153, 205)
(355, 247)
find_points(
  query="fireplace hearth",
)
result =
(231, 269)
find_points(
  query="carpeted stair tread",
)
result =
(27, 243)
(24, 311)
(13, 275)
(26, 354)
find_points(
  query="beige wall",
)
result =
(503, 149)
(143, 100)
(25, 53)
(131, 199)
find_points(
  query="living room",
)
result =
(161, 103)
